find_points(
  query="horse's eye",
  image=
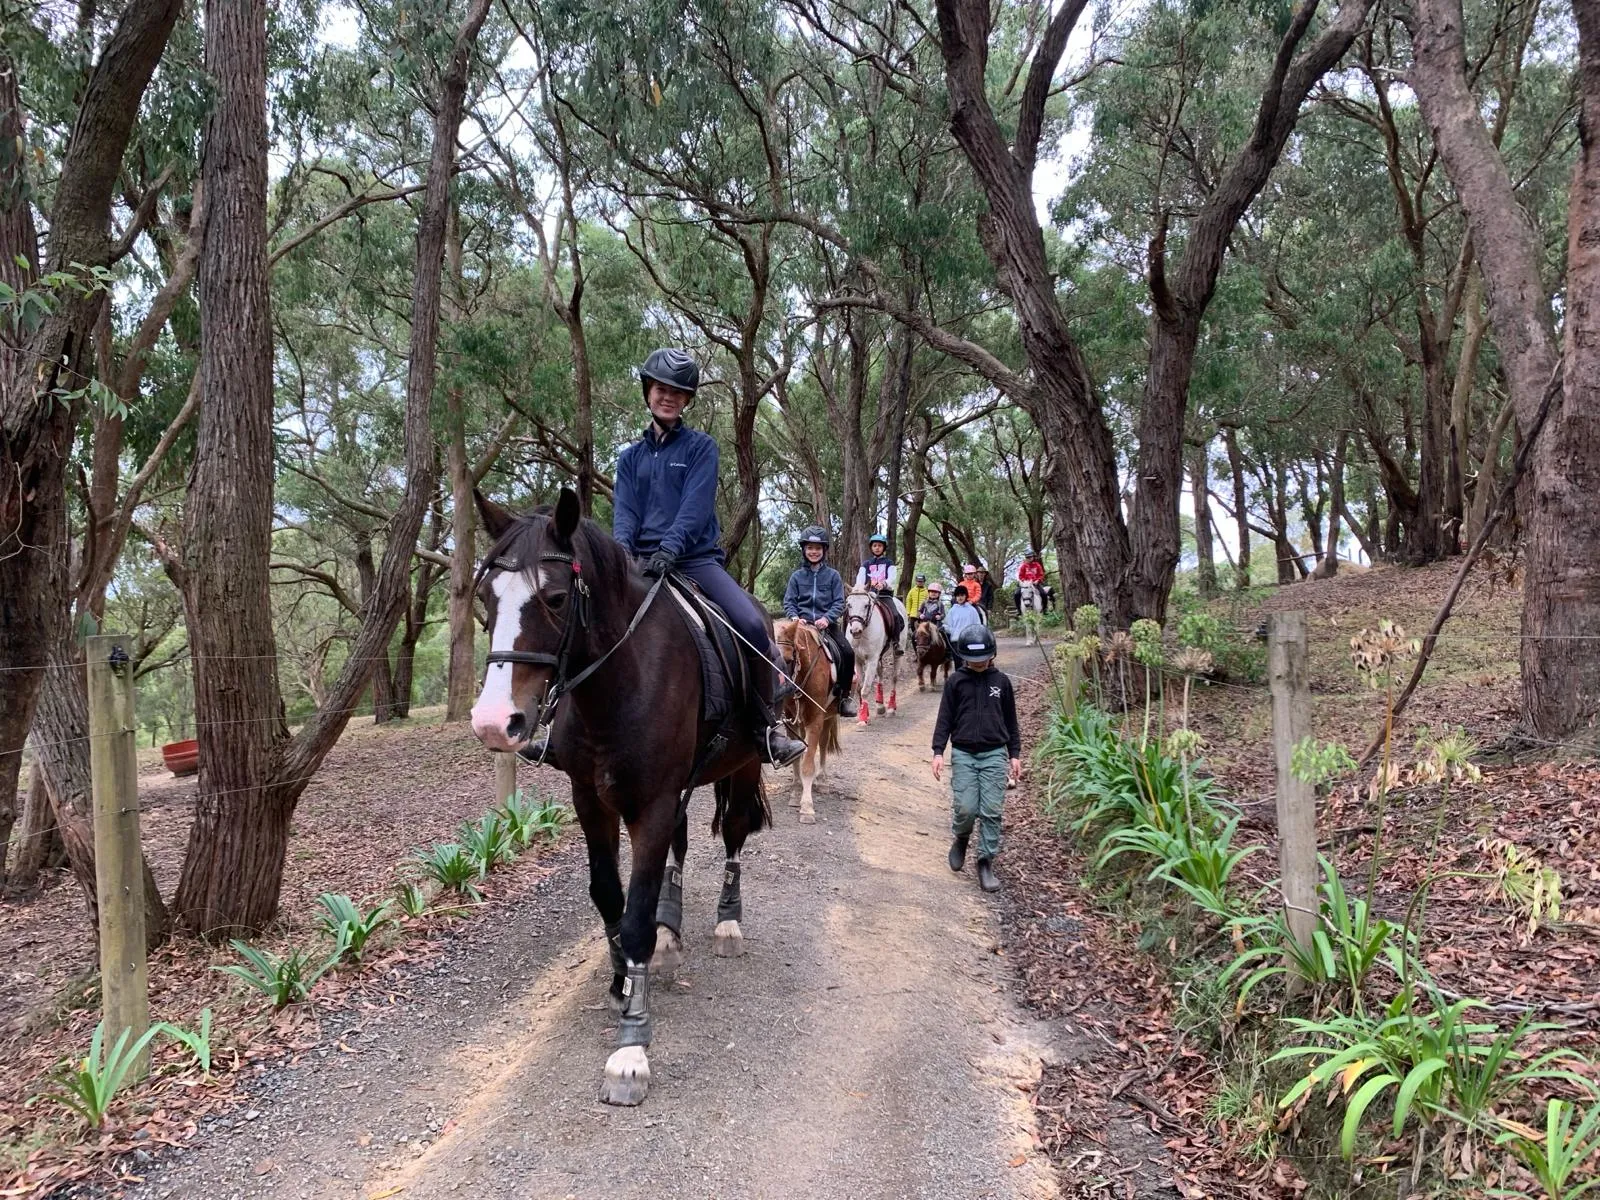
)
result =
(557, 600)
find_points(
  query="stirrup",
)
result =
(540, 751)
(778, 749)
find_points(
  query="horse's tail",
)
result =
(830, 735)
(752, 806)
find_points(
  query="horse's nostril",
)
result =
(516, 727)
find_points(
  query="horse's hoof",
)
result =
(807, 817)
(669, 952)
(627, 1080)
(728, 941)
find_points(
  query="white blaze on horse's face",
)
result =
(491, 715)
(857, 609)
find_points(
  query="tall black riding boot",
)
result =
(778, 749)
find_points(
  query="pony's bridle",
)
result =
(575, 619)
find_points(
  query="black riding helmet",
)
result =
(975, 644)
(813, 535)
(671, 367)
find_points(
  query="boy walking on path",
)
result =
(978, 719)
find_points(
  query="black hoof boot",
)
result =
(987, 879)
(958, 853)
(778, 749)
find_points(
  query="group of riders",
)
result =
(664, 514)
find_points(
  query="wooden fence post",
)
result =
(1297, 799)
(119, 864)
(505, 777)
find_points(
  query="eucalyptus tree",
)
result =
(1553, 393)
(252, 772)
(92, 82)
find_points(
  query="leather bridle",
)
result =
(576, 619)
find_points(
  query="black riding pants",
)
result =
(845, 655)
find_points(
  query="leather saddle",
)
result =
(891, 620)
(725, 679)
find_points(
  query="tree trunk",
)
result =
(1486, 484)
(35, 423)
(239, 834)
(35, 835)
(1561, 592)
(461, 678)
(59, 725)
(251, 773)
(1561, 612)
(1428, 541)
(1329, 566)
(1060, 396)
(914, 507)
(1179, 304)
(746, 405)
(383, 687)
(1200, 489)
(1241, 510)
(1460, 432)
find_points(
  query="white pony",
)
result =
(869, 636)
(1032, 610)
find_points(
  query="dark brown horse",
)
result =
(579, 637)
(932, 652)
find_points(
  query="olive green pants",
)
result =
(978, 782)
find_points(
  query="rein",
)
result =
(577, 617)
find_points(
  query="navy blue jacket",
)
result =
(665, 497)
(814, 592)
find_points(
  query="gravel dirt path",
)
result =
(867, 1045)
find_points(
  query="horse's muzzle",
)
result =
(501, 725)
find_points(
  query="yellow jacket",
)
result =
(914, 598)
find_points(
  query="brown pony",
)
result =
(811, 714)
(932, 653)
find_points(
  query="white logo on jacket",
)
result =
(994, 693)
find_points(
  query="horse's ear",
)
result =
(568, 513)
(496, 520)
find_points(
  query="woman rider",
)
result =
(816, 594)
(664, 512)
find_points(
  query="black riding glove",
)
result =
(659, 564)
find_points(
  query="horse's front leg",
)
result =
(627, 1076)
(601, 831)
(669, 909)
(806, 768)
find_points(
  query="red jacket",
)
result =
(1030, 572)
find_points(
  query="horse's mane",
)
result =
(602, 559)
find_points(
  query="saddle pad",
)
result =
(723, 677)
(832, 655)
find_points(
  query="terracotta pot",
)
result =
(182, 758)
